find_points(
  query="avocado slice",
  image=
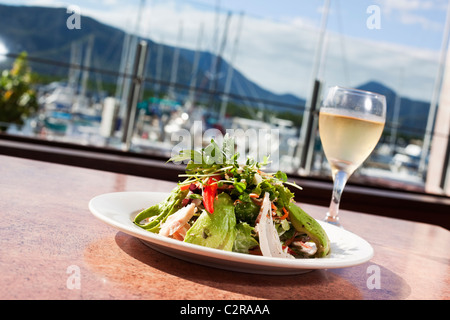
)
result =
(304, 223)
(215, 230)
(161, 210)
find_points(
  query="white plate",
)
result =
(119, 209)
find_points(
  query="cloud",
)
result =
(409, 18)
(404, 5)
(269, 53)
(279, 55)
(411, 12)
(3, 51)
(411, 72)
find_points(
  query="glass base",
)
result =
(333, 220)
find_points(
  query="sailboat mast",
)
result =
(87, 65)
(191, 98)
(218, 59)
(227, 88)
(176, 55)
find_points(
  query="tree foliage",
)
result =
(17, 98)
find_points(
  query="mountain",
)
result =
(412, 114)
(42, 33)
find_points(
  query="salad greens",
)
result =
(235, 207)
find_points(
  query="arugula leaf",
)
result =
(239, 185)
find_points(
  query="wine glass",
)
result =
(350, 124)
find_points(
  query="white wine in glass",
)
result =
(351, 122)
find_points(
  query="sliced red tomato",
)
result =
(210, 193)
(185, 187)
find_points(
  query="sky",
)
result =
(275, 43)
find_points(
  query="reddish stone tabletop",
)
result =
(47, 234)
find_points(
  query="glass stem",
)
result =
(340, 179)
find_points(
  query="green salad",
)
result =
(236, 207)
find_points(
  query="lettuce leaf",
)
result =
(244, 238)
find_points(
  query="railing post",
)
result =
(445, 176)
(135, 93)
(309, 138)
